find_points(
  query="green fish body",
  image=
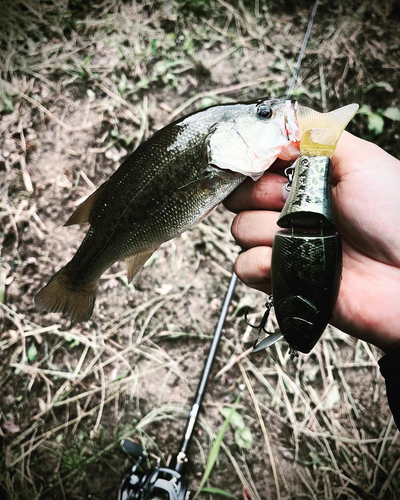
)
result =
(169, 184)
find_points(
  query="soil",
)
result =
(69, 393)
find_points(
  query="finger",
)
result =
(355, 154)
(255, 228)
(352, 146)
(262, 287)
(253, 267)
(268, 193)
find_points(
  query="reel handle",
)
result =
(133, 449)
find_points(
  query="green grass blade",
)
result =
(218, 491)
(212, 457)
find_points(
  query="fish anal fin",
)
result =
(82, 213)
(135, 262)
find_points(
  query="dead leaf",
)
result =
(10, 426)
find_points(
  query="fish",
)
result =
(170, 183)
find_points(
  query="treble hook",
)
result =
(263, 322)
(272, 337)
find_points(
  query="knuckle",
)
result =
(261, 191)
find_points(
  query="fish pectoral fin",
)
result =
(82, 213)
(135, 262)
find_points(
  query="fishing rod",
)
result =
(168, 483)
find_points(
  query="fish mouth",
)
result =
(291, 129)
(291, 126)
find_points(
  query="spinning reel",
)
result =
(162, 483)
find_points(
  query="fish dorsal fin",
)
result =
(135, 262)
(82, 213)
(320, 132)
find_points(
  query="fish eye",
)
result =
(264, 111)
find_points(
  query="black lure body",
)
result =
(307, 256)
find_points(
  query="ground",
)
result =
(82, 85)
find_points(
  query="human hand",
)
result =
(366, 197)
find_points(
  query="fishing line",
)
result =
(233, 281)
(302, 50)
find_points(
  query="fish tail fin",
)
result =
(61, 294)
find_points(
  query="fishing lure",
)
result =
(306, 263)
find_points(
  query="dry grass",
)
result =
(80, 88)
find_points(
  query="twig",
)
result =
(121, 100)
(386, 484)
(25, 172)
(304, 481)
(49, 113)
(223, 90)
(233, 361)
(264, 430)
(102, 401)
(143, 122)
(382, 449)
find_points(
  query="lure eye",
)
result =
(264, 111)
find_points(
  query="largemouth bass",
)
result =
(170, 183)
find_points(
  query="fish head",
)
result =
(253, 135)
